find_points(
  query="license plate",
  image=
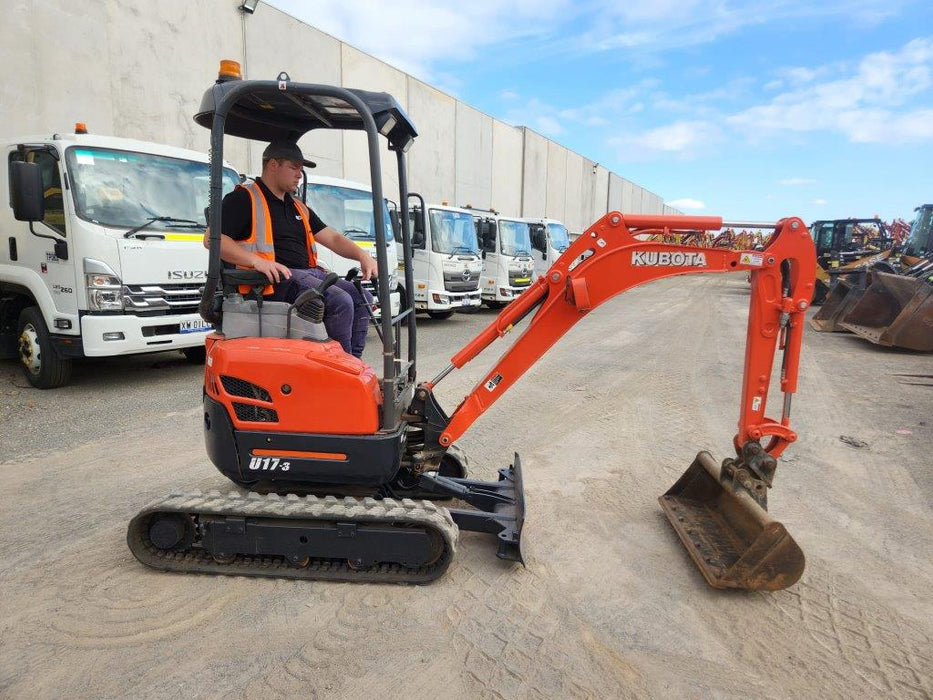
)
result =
(194, 326)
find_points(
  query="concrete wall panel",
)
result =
(556, 181)
(507, 161)
(600, 193)
(359, 70)
(473, 157)
(313, 57)
(534, 175)
(617, 190)
(431, 159)
(573, 198)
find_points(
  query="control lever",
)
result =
(353, 275)
(310, 303)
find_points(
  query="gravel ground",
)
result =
(610, 604)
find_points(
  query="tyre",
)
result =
(440, 315)
(196, 355)
(42, 365)
(494, 304)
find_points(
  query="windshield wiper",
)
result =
(152, 219)
(353, 229)
(461, 249)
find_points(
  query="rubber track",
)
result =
(366, 510)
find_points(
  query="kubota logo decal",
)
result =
(642, 258)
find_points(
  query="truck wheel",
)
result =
(494, 304)
(43, 366)
(440, 315)
(195, 355)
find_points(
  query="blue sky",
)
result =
(745, 109)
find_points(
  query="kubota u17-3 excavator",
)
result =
(349, 461)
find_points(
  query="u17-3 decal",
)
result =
(269, 464)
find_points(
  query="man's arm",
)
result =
(235, 254)
(343, 246)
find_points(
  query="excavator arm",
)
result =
(718, 511)
(610, 258)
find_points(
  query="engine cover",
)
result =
(292, 386)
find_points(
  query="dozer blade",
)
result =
(895, 311)
(835, 307)
(731, 538)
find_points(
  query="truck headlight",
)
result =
(393, 282)
(104, 292)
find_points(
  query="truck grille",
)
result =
(161, 299)
(458, 282)
(515, 276)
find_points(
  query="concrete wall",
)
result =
(138, 68)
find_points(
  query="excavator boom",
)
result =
(720, 514)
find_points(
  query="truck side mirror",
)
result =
(26, 193)
(396, 224)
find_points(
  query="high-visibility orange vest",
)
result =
(260, 236)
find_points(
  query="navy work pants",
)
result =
(345, 316)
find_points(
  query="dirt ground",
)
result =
(610, 604)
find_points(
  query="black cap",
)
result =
(288, 150)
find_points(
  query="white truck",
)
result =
(103, 250)
(508, 268)
(446, 262)
(347, 207)
(549, 239)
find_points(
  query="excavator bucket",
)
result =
(728, 534)
(895, 311)
(844, 296)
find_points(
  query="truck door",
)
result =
(539, 248)
(38, 254)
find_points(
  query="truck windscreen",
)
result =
(559, 238)
(124, 189)
(347, 210)
(514, 237)
(453, 232)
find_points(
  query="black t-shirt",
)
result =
(288, 232)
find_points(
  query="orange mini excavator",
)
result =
(342, 468)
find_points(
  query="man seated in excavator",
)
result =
(267, 229)
(345, 456)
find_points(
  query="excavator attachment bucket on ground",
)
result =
(895, 311)
(728, 533)
(844, 296)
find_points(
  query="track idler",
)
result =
(720, 514)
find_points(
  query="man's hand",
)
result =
(368, 266)
(276, 272)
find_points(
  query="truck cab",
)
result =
(446, 262)
(347, 206)
(549, 239)
(102, 250)
(508, 268)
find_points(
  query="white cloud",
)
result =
(871, 105)
(684, 139)
(508, 95)
(686, 203)
(797, 181)
(414, 35)
(819, 202)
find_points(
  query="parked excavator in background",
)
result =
(343, 454)
(888, 301)
(847, 245)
